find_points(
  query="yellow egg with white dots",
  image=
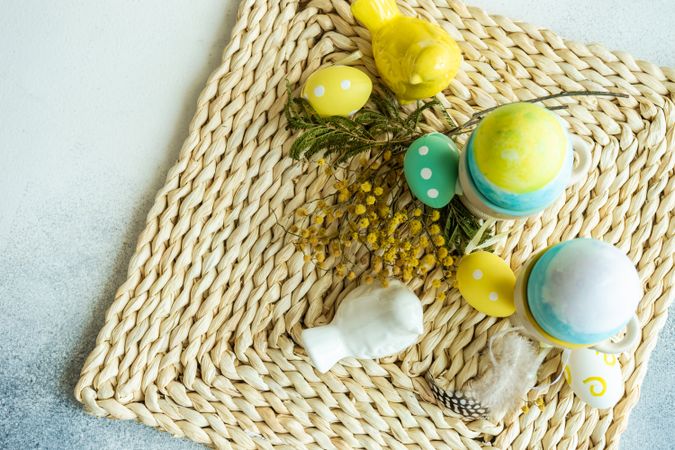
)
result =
(487, 282)
(337, 90)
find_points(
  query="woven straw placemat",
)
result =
(202, 338)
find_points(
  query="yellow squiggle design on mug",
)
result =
(610, 360)
(592, 387)
(568, 375)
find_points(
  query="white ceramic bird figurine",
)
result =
(371, 322)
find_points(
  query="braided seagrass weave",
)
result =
(202, 339)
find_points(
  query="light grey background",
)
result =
(95, 99)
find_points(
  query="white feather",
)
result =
(506, 373)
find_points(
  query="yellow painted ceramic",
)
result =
(337, 90)
(415, 58)
(487, 282)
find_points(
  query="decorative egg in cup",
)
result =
(337, 90)
(583, 292)
(519, 160)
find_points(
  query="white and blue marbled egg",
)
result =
(431, 167)
(583, 291)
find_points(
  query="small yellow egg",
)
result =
(337, 90)
(487, 283)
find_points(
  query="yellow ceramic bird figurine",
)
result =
(415, 58)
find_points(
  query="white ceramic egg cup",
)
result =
(484, 209)
(523, 318)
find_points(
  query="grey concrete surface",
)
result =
(95, 98)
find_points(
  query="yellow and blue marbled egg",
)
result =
(337, 90)
(595, 377)
(430, 167)
(520, 157)
(583, 291)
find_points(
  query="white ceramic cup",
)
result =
(483, 208)
(523, 318)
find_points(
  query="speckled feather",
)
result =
(503, 380)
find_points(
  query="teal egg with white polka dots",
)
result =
(430, 167)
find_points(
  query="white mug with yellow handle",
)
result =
(579, 293)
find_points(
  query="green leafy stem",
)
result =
(382, 124)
